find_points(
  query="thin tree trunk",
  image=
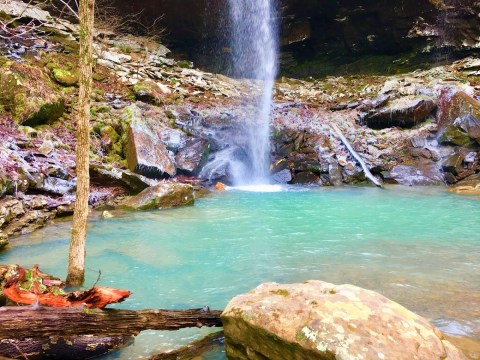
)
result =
(76, 255)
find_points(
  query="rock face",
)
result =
(318, 320)
(161, 196)
(343, 27)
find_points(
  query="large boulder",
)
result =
(404, 112)
(454, 104)
(146, 154)
(421, 173)
(108, 175)
(161, 196)
(318, 320)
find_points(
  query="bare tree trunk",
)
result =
(76, 255)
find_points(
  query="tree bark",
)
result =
(76, 255)
(26, 322)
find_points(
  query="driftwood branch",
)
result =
(344, 140)
(26, 322)
(194, 349)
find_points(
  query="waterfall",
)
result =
(254, 51)
(254, 55)
(242, 155)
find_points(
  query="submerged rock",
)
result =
(318, 320)
(161, 196)
(3, 239)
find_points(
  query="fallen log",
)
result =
(27, 322)
(194, 349)
(344, 140)
(82, 333)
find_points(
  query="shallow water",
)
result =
(419, 247)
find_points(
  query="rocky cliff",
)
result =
(317, 36)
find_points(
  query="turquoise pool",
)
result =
(419, 247)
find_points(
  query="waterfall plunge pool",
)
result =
(417, 246)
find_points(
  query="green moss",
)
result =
(65, 77)
(48, 113)
(109, 131)
(300, 336)
(99, 109)
(281, 292)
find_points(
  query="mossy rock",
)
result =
(454, 135)
(29, 95)
(6, 186)
(161, 196)
(65, 77)
(147, 92)
(46, 114)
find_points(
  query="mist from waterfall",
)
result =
(254, 55)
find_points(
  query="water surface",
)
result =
(419, 247)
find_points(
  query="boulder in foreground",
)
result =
(318, 320)
(161, 196)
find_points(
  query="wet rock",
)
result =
(423, 173)
(282, 177)
(173, 139)
(469, 124)
(146, 154)
(161, 196)
(454, 104)
(453, 135)
(107, 214)
(473, 181)
(335, 173)
(405, 112)
(454, 164)
(192, 156)
(3, 240)
(306, 178)
(319, 320)
(418, 142)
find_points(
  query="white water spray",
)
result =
(254, 49)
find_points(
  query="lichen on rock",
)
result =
(319, 320)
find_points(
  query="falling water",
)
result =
(254, 49)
